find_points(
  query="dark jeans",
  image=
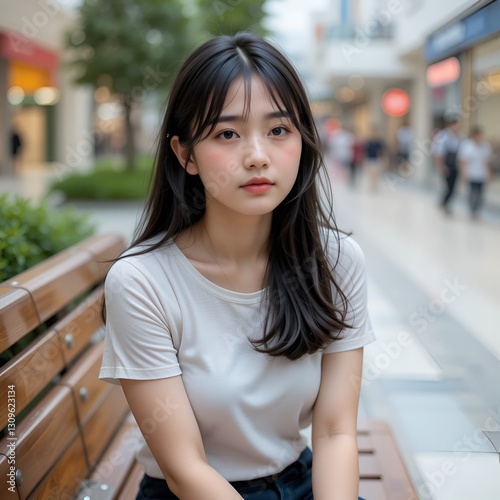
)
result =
(293, 483)
(475, 196)
(451, 178)
(354, 172)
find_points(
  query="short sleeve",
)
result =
(464, 151)
(137, 343)
(351, 273)
(437, 147)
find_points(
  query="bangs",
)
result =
(233, 68)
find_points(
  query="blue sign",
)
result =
(463, 33)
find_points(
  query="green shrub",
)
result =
(108, 181)
(30, 234)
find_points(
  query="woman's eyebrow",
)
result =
(238, 118)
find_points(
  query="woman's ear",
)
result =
(182, 153)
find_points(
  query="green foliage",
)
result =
(130, 46)
(134, 46)
(30, 234)
(227, 17)
(107, 181)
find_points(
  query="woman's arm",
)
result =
(334, 429)
(163, 412)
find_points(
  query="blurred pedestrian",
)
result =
(444, 149)
(405, 143)
(341, 142)
(375, 158)
(358, 154)
(474, 157)
(16, 147)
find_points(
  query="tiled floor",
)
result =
(433, 298)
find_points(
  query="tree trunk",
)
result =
(129, 135)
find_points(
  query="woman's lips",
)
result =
(257, 188)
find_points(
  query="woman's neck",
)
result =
(241, 240)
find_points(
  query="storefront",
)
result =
(30, 77)
(485, 96)
(463, 74)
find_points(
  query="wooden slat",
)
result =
(131, 487)
(33, 368)
(395, 477)
(365, 444)
(42, 437)
(373, 489)
(31, 371)
(368, 425)
(369, 467)
(81, 324)
(119, 457)
(377, 435)
(18, 315)
(101, 425)
(85, 375)
(103, 247)
(57, 281)
(63, 480)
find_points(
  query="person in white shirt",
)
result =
(474, 156)
(238, 315)
(341, 144)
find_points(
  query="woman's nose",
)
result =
(256, 153)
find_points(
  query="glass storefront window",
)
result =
(485, 103)
(445, 96)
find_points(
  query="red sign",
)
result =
(396, 102)
(332, 125)
(15, 47)
(444, 72)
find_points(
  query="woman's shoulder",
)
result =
(339, 241)
(343, 251)
(142, 258)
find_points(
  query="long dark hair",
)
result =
(301, 315)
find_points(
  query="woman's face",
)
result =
(265, 145)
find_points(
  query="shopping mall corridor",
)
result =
(434, 295)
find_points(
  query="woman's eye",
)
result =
(276, 131)
(227, 134)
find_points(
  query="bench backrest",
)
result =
(57, 416)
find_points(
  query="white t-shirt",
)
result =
(405, 139)
(477, 157)
(342, 142)
(164, 318)
(446, 141)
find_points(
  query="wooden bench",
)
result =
(382, 472)
(73, 435)
(65, 417)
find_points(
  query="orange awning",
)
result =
(29, 78)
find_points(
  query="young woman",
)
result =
(237, 317)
